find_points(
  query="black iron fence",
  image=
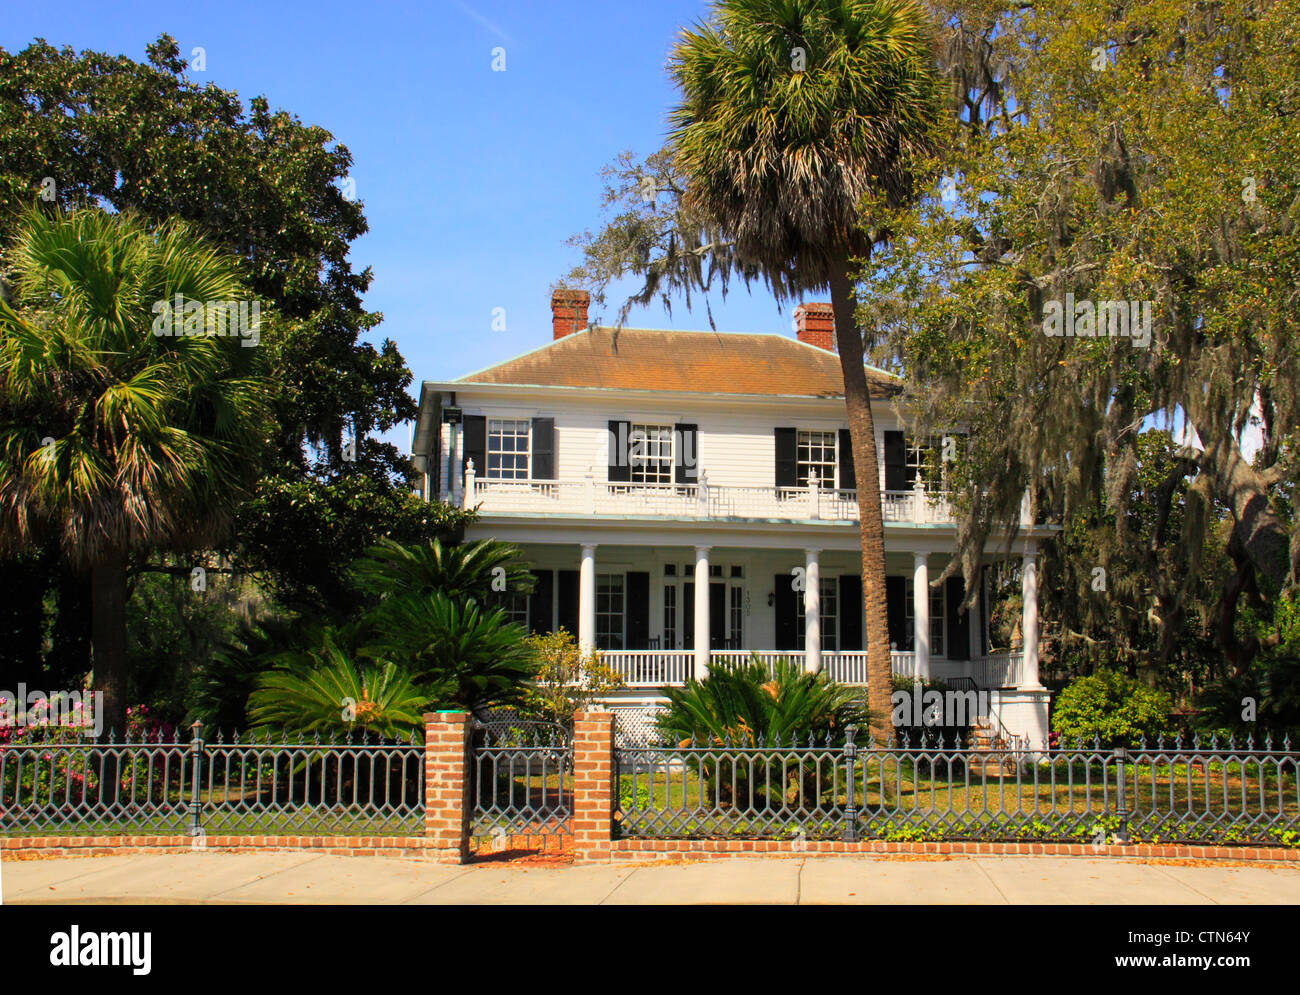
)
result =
(249, 785)
(521, 784)
(823, 790)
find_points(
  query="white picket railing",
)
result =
(657, 668)
(601, 497)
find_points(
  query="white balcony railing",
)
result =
(598, 497)
(655, 668)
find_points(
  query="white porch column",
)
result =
(587, 599)
(812, 612)
(702, 635)
(1029, 617)
(921, 613)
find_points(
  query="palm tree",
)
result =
(479, 569)
(115, 438)
(792, 113)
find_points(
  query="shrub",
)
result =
(1114, 708)
(567, 679)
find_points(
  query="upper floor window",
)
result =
(650, 454)
(925, 462)
(507, 449)
(815, 451)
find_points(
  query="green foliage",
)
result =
(1131, 152)
(141, 137)
(466, 655)
(1113, 707)
(567, 679)
(474, 570)
(325, 690)
(742, 703)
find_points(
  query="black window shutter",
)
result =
(958, 622)
(787, 469)
(543, 467)
(848, 475)
(620, 469)
(850, 612)
(568, 602)
(686, 461)
(638, 610)
(896, 611)
(541, 602)
(786, 633)
(475, 444)
(896, 476)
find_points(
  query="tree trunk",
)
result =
(862, 434)
(108, 638)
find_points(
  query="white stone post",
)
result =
(468, 501)
(921, 614)
(918, 500)
(1029, 617)
(587, 599)
(814, 497)
(589, 480)
(702, 635)
(812, 612)
(702, 494)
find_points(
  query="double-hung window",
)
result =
(815, 451)
(650, 454)
(507, 448)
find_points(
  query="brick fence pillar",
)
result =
(448, 803)
(593, 785)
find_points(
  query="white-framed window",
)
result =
(830, 615)
(815, 451)
(515, 606)
(938, 618)
(507, 448)
(610, 612)
(650, 454)
(925, 461)
(670, 616)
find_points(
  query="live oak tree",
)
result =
(1115, 152)
(791, 113)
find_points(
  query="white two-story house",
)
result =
(685, 497)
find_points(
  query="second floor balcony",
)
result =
(588, 496)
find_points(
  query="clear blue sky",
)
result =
(471, 180)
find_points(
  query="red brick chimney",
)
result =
(568, 311)
(815, 325)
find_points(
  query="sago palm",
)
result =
(792, 113)
(324, 690)
(470, 570)
(118, 440)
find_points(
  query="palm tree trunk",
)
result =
(862, 434)
(108, 639)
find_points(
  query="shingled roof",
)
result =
(688, 362)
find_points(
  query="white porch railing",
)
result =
(998, 670)
(704, 500)
(656, 668)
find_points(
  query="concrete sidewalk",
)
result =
(308, 878)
